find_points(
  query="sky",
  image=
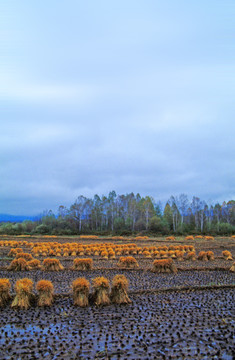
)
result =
(131, 96)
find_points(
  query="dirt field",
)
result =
(187, 315)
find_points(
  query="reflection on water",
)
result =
(20, 332)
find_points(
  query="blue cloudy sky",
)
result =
(126, 95)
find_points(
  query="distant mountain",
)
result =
(16, 218)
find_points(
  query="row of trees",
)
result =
(131, 214)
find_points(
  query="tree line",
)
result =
(131, 214)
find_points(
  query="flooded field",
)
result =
(185, 315)
(195, 324)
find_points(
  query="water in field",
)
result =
(190, 324)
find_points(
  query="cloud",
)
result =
(99, 99)
(15, 89)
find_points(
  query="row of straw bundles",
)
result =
(73, 249)
(4, 291)
(55, 265)
(80, 287)
(82, 264)
(21, 264)
(24, 295)
(227, 255)
(164, 266)
(101, 295)
(14, 251)
(206, 255)
(48, 264)
(128, 262)
(190, 237)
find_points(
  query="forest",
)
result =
(131, 214)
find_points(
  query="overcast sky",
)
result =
(126, 95)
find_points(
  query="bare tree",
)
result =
(183, 205)
(175, 212)
(79, 209)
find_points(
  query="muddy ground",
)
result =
(175, 325)
(138, 280)
(159, 324)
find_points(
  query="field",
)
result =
(181, 307)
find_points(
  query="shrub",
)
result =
(202, 256)
(198, 237)
(227, 255)
(52, 265)
(4, 291)
(82, 264)
(24, 296)
(45, 289)
(34, 264)
(119, 290)
(191, 256)
(80, 288)
(18, 265)
(25, 256)
(164, 266)
(128, 262)
(101, 291)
